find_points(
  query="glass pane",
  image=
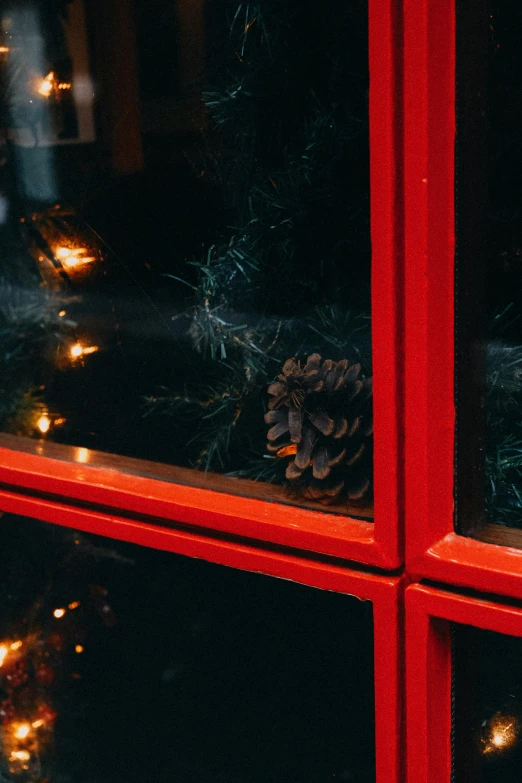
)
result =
(120, 663)
(488, 706)
(489, 267)
(185, 235)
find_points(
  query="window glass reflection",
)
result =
(184, 208)
(120, 663)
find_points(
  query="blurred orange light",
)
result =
(22, 731)
(44, 424)
(45, 87)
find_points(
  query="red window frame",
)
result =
(375, 544)
(385, 593)
(433, 549)
(429, 612)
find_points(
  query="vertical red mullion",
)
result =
(429, 87)
(388, 686)
(428, 694)
(385, 116)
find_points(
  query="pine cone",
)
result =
(321, 416)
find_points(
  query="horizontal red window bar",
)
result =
(119, 486)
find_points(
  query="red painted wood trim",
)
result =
(429, 612)
(429, 95)
(385, 55)
(433, 550)
(428, 694)
(385, 592)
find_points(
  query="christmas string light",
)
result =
(78, 350)
(44, 424)
(46, 85)
(22, 730)
(502, 734)
(72, 257)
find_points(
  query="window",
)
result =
(194, 255)
(256, 257)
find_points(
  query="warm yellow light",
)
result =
(22, 731)
(79, 648)
(91, 349)
(82, 455)
(45, 87)
(62, 313)
(3, 653)
(4, 49)
(59, 613)
(71, 261)
(37, 724)
(503, 734)
(74, 605)
(16, 645)
(44, 424)
(20, 755)
(63, 252)
(64, 86)
(76, 351)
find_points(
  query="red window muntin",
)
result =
(429, 612)
(385, 593)
(375, 544)
(432, 547)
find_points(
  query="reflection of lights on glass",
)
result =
(71, 257)
(44, 424)
(3, 653)
(82, 455)
(502, 734)
(78, 350)
(37, 724)
(79, 648)
(22, 731)
(74, 605)
(20, 755)
(59, 613)
(16, 645)
(45, 87)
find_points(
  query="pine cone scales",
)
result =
(320, 415)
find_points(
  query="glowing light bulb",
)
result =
(74, 605)
(44, 424)
(20, 755)
(37, 724)
(45, 87)
(59, 613)
(76, 351)
(503, 734)
(16, 645)
(4, 49)
(62, 313)
(3, 653)
(22, 731)
(79, 648)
